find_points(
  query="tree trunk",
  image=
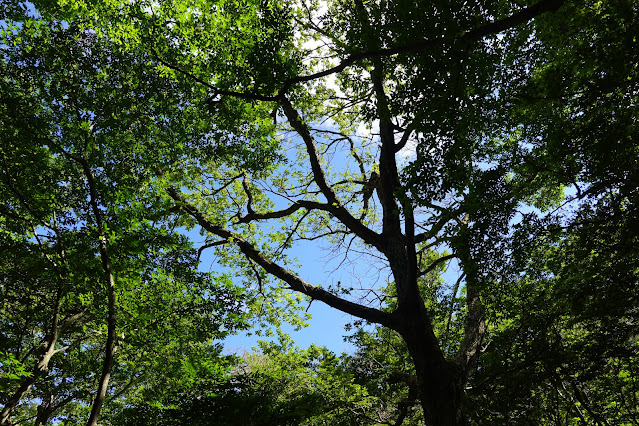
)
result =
(45, 409)
(39, 370)
(109, 352)
(439, 381)
(42, 367)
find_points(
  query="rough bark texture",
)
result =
(439, 384)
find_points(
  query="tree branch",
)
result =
(249, 196)
(404, 140)
(436, 228)
(71, 320)
(333, 204)
(273, 214)
(293, 231)
(434, 265)
(209, 245)
(388, 177)
(295, 282)
(495, 27)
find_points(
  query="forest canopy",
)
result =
(495, 138)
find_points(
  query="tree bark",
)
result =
(42, 366)
(109, 352)
(45, 409)
(439, 381)
(41, 369)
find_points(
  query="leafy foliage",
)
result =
(71, 139)
(498, 137)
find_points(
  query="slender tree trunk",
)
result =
(109, 352)
(41, 369)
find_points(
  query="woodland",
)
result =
(496, 138)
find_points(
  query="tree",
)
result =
(470, 118)
(570, 319)
(89, 247)
(281, 384)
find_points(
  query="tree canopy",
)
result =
(498, 138)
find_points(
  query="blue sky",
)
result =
(326, 326)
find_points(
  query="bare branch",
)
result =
(293, 231)
(436, 263)
(260, 283)
(249, 195)
(303, 130)
(323, 235)
(404, 140)
(226, 185)
(209, 245)
(273, 214)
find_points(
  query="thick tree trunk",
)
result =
(440, 389)
(45, 409)
(439, 381)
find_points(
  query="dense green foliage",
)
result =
(71, 138)
(497, 138)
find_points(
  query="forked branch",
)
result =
(333, 204)
(295, 282)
